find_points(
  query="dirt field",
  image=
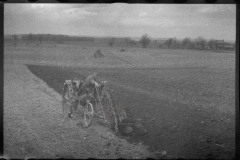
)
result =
(33, 126)
(186, 99)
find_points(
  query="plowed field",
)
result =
(184, 116)
(186, 99)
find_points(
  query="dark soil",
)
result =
(178, 106)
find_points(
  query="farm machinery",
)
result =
(100, 104)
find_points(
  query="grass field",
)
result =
(185, 98)
(81, 55)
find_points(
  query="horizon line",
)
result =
(158, 38)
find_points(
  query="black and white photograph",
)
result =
(119, 80)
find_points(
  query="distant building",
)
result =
(229, 46)
(216, 45)
(222, 45)
(161, 40)
(207, 47)
(219, 44)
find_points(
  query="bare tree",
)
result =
(186, 43)
(30, 37)
(60, 39)
(15, 38)
(175, 43)
(111, 42)
(132, 42)
(201, 42)
(168, 42)
(145, 40)
(40, 37)
(127, 40)
(211, 43)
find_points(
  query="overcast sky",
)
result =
(216, 21)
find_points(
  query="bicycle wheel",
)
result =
(88, 114)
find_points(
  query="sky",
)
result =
(216, 21)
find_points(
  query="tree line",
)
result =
(145, 40)
(127, 40)
(50, 37)
(174, 43)
(186, 43)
